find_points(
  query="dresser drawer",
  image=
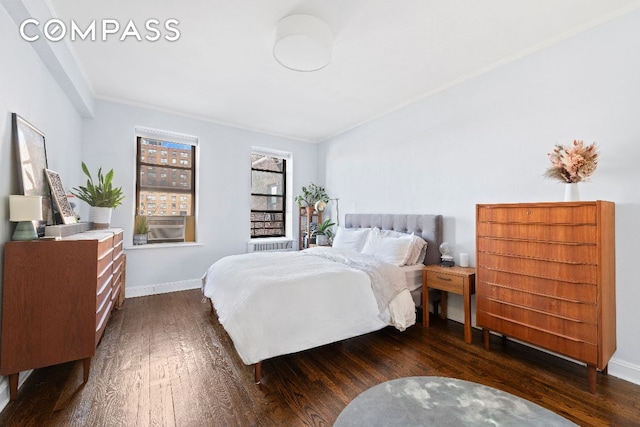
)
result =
(551, 324)
(575, 273)
(102, 317)
(105, 263)
(102, 291)
(569, 252)
(569, 214)
(445, 282)
(118, 237)
(105, 247)
(116, 289)
(539, 232)
(570, 347)
(578, 292)
(118, 245)
(570, 309)
(118, 261)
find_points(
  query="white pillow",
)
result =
(394, 250)
(418, 250)
(350, 238)
(418, 246)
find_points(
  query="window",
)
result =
(268, 195)
(166, 226)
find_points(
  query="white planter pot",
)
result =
(321, 240)
(101, 217)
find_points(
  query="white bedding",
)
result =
(274, 303)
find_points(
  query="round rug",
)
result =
(439, 401)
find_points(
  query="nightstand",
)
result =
(459, 280)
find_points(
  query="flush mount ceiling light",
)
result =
(302, 43)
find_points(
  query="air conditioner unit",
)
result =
(166, 228)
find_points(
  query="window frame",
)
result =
(287, 184)
(283, 197)
(172, 137)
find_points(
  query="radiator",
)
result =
(280, 245)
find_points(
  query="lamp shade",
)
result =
(302, 43)
(25, 208)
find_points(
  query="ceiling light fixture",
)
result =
(302, 43)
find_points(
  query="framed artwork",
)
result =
(32, 162)
(64, 209)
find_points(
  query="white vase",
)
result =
(101, 217)
(571, 193)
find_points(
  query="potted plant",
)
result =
(102, 197)
(323, 232)
(140, 230)
(572, 164)
(311, 194)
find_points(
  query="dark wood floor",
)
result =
(165, 360)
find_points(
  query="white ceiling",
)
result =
(386, 54)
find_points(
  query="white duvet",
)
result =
(274, 303)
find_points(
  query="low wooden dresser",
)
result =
(56, 299)
(546, 276)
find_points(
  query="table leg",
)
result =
(425, 307)
(467, 315)
(13, 386)
(592, 374)
(86, 365)
(443, 304)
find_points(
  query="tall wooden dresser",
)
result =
(56, 299)
(546, 276)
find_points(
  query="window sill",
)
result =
(163, 246)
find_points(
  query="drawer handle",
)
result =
(446, 279)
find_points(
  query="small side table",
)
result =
(459, 280)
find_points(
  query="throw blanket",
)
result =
(387, 280)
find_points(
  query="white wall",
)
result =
(27, 88)
(487, 141)
(223, 195)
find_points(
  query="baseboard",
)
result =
(624, 370)
(162, 288)
(4, 387)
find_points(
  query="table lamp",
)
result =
(24, 210)
(446, 260)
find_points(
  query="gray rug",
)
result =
(438, 401)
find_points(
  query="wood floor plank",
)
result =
(166, 360)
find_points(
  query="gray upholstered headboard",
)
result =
(429, 227)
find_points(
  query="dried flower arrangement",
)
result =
(573, 163)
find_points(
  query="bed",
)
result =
(275, 303)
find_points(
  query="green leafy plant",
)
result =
(141, 225)
(324, 228)
(311, 194)
(102, 194)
